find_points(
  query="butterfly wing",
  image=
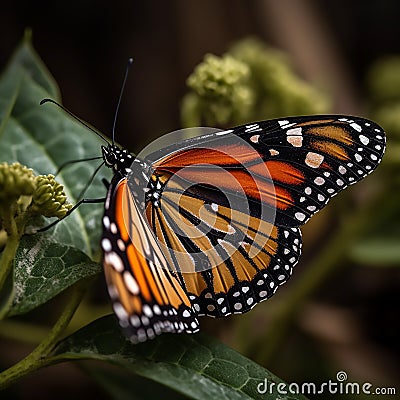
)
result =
(147, 297)
(293, 166)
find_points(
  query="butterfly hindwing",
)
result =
(228, 261)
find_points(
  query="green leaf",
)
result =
(43, 138)
(120, 384)
(44, 269)
(194, 365)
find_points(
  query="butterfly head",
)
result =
(119, 160)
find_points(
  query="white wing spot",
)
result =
(147, 310)
(300, 216)
(273, 152)
(294, 137)
(106, 244)
(356, 127)
(106, 222)
(135, 321)
(113, 228)
(319, 180)
(131, 284)
(255, 138)
(145, 320)
(314, 160)
(364, 140)
(156, 309)
(114, 260)
(358, 157)
(121, 245)
(120, 312)
(342, 169)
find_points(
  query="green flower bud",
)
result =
(49, 198)
(279, 91)
(220, 85)
(16, 180)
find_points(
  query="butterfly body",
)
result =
(211, 226)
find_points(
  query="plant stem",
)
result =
(39, 356)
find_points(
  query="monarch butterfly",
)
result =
(296, 166)
(210, 225)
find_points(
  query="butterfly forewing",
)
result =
(147, 297)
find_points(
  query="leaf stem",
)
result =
(39, 356)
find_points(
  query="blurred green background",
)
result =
(340, 310)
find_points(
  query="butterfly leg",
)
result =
(82, 201)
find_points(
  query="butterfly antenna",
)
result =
(75, 117)
(128, 66)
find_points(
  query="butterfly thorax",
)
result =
(119, 160)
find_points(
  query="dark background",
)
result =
(86, 45)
